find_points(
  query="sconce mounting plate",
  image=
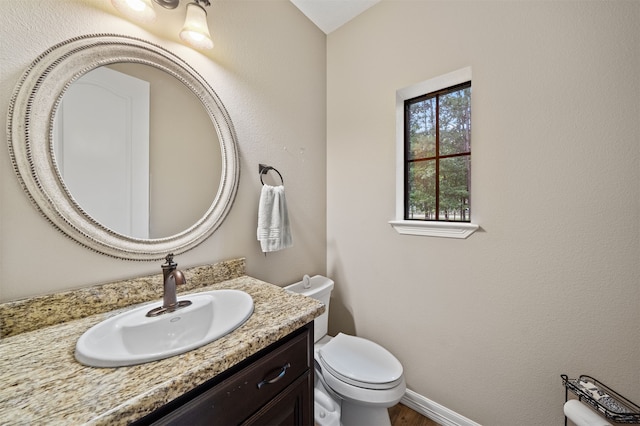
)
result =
(168, 4)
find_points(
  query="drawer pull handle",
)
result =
(280, 375)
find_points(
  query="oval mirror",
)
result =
(106, 124)
(132, 143)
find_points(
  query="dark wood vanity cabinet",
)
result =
(272, 387)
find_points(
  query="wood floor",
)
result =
(402, 415)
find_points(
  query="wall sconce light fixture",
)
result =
(195, 30)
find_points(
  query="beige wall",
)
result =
(551, 284)
(268, 68)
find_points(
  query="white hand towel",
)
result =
(274, 232)
(582, 415)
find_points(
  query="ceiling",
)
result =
(329, 15)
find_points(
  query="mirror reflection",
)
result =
(137, 150)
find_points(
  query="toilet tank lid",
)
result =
(319, 284)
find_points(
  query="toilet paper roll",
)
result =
(582, 415)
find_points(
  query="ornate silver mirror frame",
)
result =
(29, 130)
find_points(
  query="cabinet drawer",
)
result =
(239, 396)
(292, 406)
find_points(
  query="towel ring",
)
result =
(263, 169)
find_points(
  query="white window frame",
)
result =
(422, 227)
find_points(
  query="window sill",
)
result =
(434, 229)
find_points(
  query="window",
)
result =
(433, 176)
(438, 155)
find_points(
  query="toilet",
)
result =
(356, 380)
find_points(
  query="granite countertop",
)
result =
(42, 383)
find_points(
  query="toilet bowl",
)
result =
(359, 375)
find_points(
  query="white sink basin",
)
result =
(133, 338)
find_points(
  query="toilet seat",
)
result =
(359, 395)
(360, 362)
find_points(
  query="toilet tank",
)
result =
(319, 288)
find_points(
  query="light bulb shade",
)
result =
(195, 30)
(139, 10)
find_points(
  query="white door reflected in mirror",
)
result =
(101, 142)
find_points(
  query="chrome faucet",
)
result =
(172, 277)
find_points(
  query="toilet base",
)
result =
(331, 410)
(362, 415)
(326, 410)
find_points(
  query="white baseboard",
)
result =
(434, 411)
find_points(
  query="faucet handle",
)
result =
(170, 263)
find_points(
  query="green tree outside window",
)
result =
(438, 155)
